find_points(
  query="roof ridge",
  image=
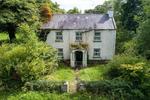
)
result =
(81, 14)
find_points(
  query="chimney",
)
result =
(110, 12)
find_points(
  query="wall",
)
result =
(107, 44)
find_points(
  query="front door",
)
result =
(78, 58)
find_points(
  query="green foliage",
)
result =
(61, 74)
(32, 95)
(27, 60)
(94, 73)
(144, 29)
(130, 9)
(74, 11)
(133, 70)
(43, 85)
(14, 12)
(100, 8)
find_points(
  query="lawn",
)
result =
(48, 96)
(3, 36)
(61, 74)
(93, 73)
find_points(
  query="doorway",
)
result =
(78, 58)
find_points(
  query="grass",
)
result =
(3, 36)
(48, 96)
(61, 74)
(94, 73)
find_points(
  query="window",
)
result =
(60, 53)
(96, 53)
(97, 37)
(78, 36)
(59, 37)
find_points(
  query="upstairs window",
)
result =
(78, 36)
(60, 53)
(97, 37)
(59, 37)
(97, 53)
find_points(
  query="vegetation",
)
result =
(30, 63)
(48, 96)
(74, 11)
(93, 73)
(25, 60)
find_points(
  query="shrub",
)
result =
(116, 89)
(133, 70)
(126, 67)
(27, 60)
(43, 85)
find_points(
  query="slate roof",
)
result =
(80, 21)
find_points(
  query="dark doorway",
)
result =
(78, 58)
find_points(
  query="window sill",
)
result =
(78, 41)
(97, 41)
(58, 40)
(96, 57)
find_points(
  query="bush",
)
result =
(43, 85)
(133, 70)
(116, 89)
(127, 67)
(27, 60)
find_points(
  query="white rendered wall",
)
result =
(107, 44)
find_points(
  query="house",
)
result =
(80, 38)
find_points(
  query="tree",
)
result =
(74, 11)
(144, 31)
(130, 9)
(100, 8)
(14, 12)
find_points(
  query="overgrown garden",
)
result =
(29, 68)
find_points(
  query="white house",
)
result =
(82, 37)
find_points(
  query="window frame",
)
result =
(97, 54)
(79, 37)
(59, 37)
(97, 38)
(60, 53)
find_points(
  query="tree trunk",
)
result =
(11, 32)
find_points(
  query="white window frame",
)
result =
(97, 53)
(97, 38)
(59, 37)
(78, 36)
(60, 53)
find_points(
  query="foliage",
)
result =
(45, 12)
(143, 32)
(15, 12)
(130, 9)
(74, 11)
(79, 46)
(43, 85)
(133, 70)
(94, 73)
(100, 8)
(32, 95)
(116, 89)
(61, 74)
(27, 60)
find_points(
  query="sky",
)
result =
(81, 4)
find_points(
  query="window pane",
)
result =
(60, 53)
(78, 36)
(96, 53)
(97, 36)
(59, 36)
